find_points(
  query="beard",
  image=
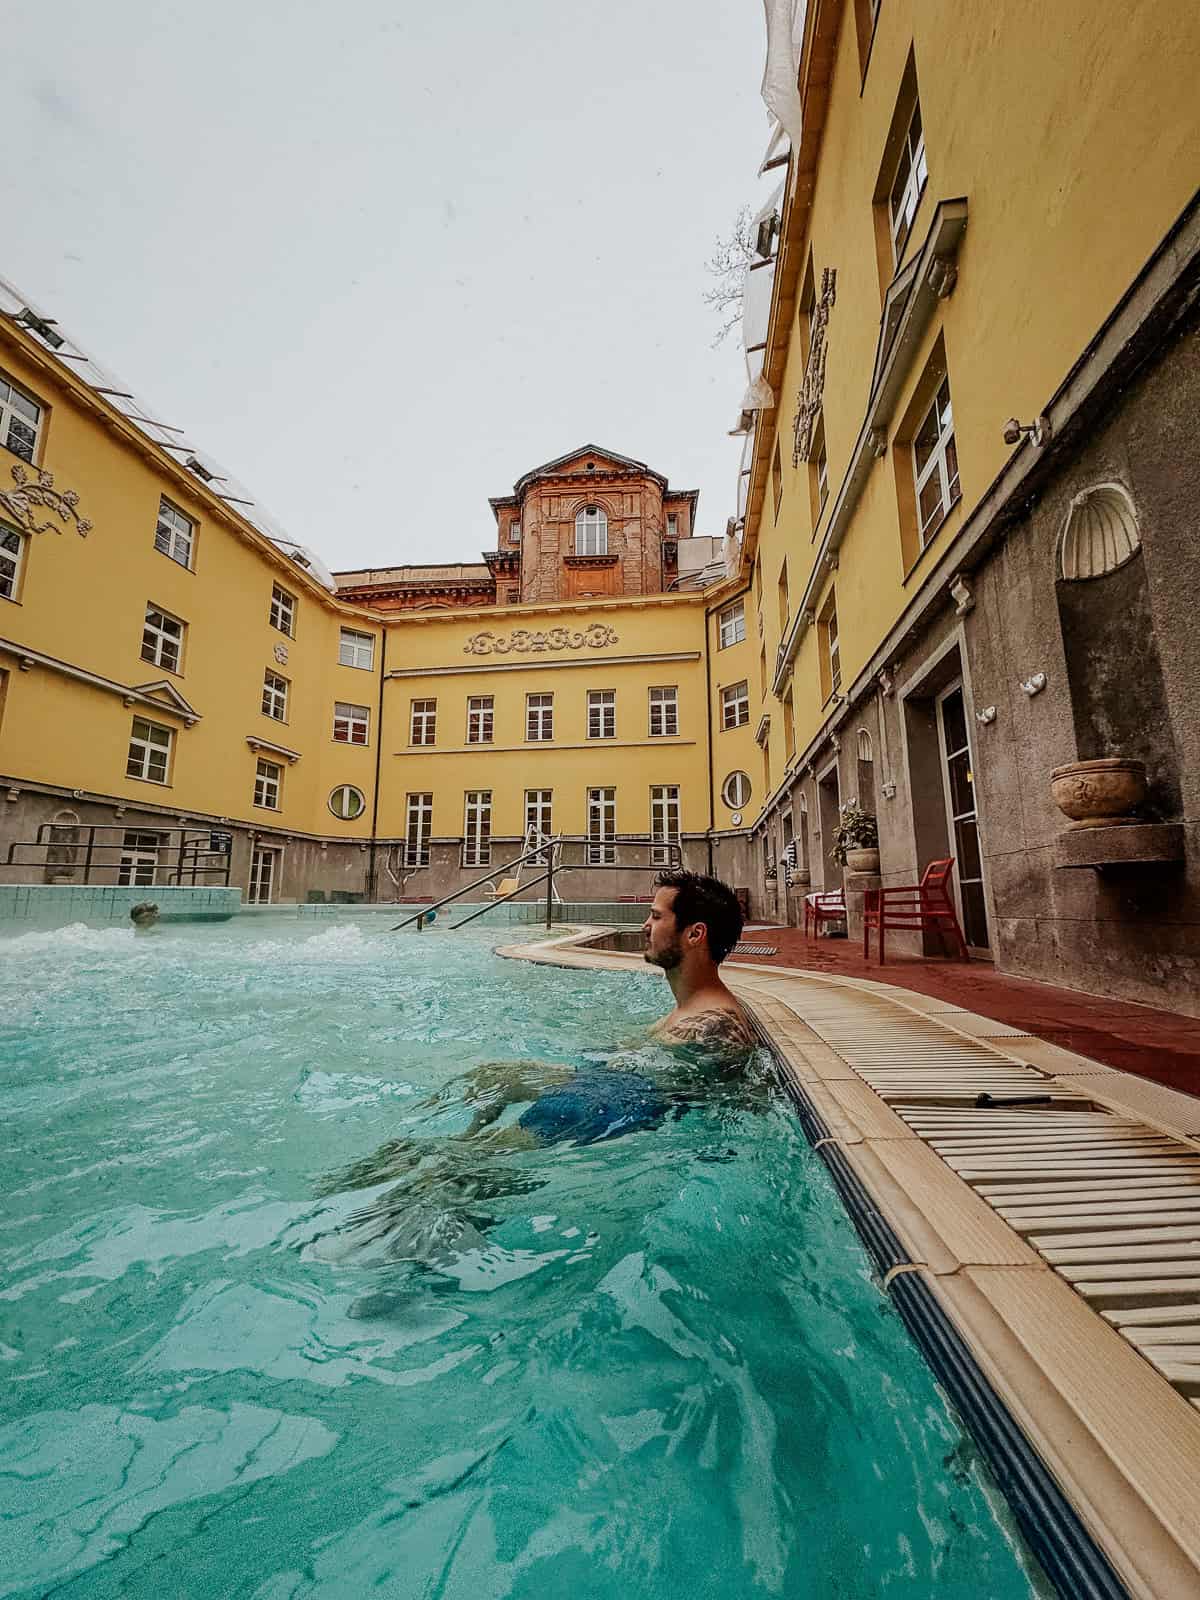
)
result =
(668, 958)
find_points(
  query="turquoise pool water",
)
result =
(653, 1367)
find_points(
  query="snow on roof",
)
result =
(37, 322)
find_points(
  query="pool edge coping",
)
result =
(1050, 1431)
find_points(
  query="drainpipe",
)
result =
(378, 760)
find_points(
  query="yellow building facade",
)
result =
(986, 227)
(170, 673)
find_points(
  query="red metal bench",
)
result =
(916, 905)
(829, 906)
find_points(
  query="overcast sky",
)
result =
(380, 258)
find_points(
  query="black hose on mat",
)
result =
(1051, 1526)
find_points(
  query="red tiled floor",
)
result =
(1161, 1045)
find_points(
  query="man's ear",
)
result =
(697, 931)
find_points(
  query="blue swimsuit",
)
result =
(593, 1106)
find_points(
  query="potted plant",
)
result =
(856, 840)
(1099, 794)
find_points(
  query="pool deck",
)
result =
(1142, 1039)
(1062, 1239)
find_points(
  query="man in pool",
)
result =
(694, 923)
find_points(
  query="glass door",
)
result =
(959, 782)
(262, 875)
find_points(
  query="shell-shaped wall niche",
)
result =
(1100, 534)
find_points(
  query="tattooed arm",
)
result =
(714, 1032)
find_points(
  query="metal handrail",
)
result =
(492, 872)
(503, 899)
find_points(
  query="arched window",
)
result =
(866, 771)
(803, 862)
(591, 532)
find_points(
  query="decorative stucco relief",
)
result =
(812, 385)
(19, 503)
(522, 641)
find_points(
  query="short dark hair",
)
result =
(707, 900)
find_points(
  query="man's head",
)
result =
(691, 916)
(144, 914)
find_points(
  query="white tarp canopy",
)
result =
(779, 147)
(780, 86)
(756, 305)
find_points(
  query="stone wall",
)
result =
(1132, 932)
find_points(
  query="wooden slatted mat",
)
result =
(1112, 1204)
(1109, 1201)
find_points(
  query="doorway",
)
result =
(829, 800)
(264, 863)
(958, 784)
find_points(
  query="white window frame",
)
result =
(539, 815)
(735, 791)
(672, 525)
(514, 533)
(602, 714)
(418, 825)
(356, 649)
(15, 405)
(138, 865)
(275, 696)
(162, 639)
(351, 723)
(941, 412)
(340, 793)
(822, 467)
(731, 625)
(477, 828)
(422, 727)
(664, 822)
(602, 827)
(268, 784)
(174, 534)
(908, 185)
(12, 559)
(539, 718)
(282, 614)
(664, 711)
(735, 705)
(833, 650)
(265, 861)
(591, 531)
(150, 750)
(481, 718)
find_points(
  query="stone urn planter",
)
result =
(801, 879)
(862, 860)
(1099, 794)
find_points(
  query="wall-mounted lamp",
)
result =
(1034, 684)
(1037, 431)
(986, 716)
(889, 791)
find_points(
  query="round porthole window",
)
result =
(736, 791)
(347, 802)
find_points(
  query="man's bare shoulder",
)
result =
(714, 1027)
